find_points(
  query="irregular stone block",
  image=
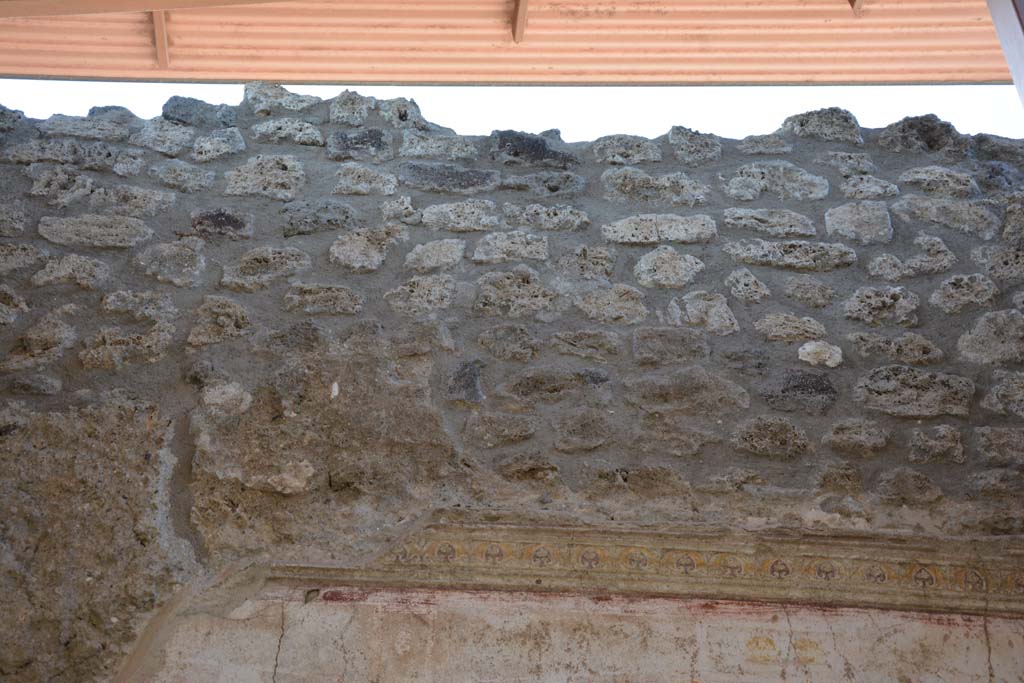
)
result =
(317, 299)
(264, 98)
(809, 290)
(771, 437)
(10, 305)
(258, 267)
(87, 273)
(630, 184)
(42, 343)
(666, 267)
(820, 353)
(937, 258)
(651, 228)
(193, 112)
(592, 344)
(182, 175)
(909, 348)
(60, 185)
(560, 217)
(306, 217)
(941, 442)
(17, 256)
(217, 144)
(710, 311)
(364, 250)
(865, 222)
(278, 176)
(856, 436)
(422, 294)
(551, 384)
(940, 181)
(582, 430)
(669, 345)
(438, 177)
(12, 219)
(367, 144)
(351, 109)
(112, 348)
(745, 286)
(789, 328)
(965, 216)
(436, 255)
(493, 430)
(694, 148)
(848, 163)
(166, 137)
(37, 385)
(587, 263)
(882, 305)
(1001, 446)
(1003, 264)
(764, 144)
(907, 392)
(774, 222)
(510, 342)
(803, 391)
(400, 210)
(513, 294)
(620, 304)
(832, 125)
(357, 179)
(923, 134)
(546, 183)
(400, 112)
(180, 263)
(625, 150)
(91, 230)
(792, 254)
(472, 215)
(904, 486)
(289, 130)
(147, 305)
(514, 148)
(501, 247)
(1006, 396)
(132, 201)
(997, 337)
(451, 147)
(686, 391)
(93, 127)
(218, 319)
(867, 187)
(960, 291)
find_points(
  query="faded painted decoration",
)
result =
(304, 333)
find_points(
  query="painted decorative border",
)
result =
(972, 578)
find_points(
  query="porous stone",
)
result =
(422, 294)
(319, 299)
(472, 215)
(1003, 264)
(193, 112)
(867, 187)
(926, 133)
(686, 391)
(904, 486)
(803, 391)
(511, 147)
(439, 177)
(780, 178)
(937, 258)
(745, 286)
(12, 219)
(848, 163)
(61, 185)
(93, 230)
(1006, 395)
(436, 255)
(218, 144)
(592, 344)
(652, 228)
(708, 310)
(960, 291)
(288, 130)
(882, 305)
(559, 217)
(11, 305)
(694, 148)
(500, 247)
(258, 267)
(619, 304)
(180, 263)
(510, 342)
(17, 256)
(940, 181)
(94, 156)
(792, 254)
(587, 263)
(366, 144)
(965, 216)
(42, 343)
(400, 210)
(218, 319)
(832, 125)
(86, 272)
(351, 109)
(939, 443)
(37, 385)
(112, 348)
(400, 112)
(764, 144)
(364, 250)
(865, 222)
(997, 337)
(581, 430)
(92, 127)
(774, 222)
(356, 179)
(493, 430)
(166, 137)
(904, 391)
(820, 353)
(132, 201)
(771, 437)
(856, 436)
(182, 175)
(1001, 446)
(451, 147)
(142, 306)
(909, 348)
(512, 294)
(546, 183)
(789, 328)
(666, 267)
(307, 217)
(809, 290)
(551, 384)
(669, 345)
(630, 184)
(625, 150)
(278, 176)
(264, 98)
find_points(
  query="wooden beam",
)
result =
(1008, 17)
(519, 21)
(163, 55)
(49, 8)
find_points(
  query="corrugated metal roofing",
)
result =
(470, 41)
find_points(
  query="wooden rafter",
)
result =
(519, 20)
(163, 56)
(41, 8)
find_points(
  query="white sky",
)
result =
(582, 113)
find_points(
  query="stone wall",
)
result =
(295, 328)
